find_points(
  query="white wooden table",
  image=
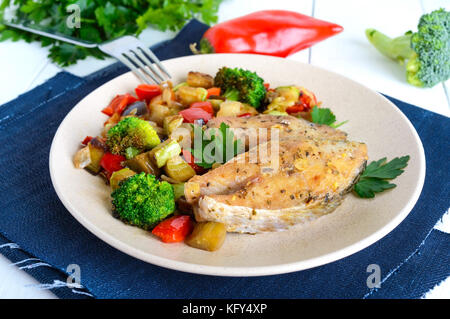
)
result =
(23, 66)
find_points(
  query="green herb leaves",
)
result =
(101, 20)
(173, 14)
(367, 187)
(219, 147)
(390, 170)
(374, 178)
(324, 116)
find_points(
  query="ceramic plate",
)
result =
(356, 224)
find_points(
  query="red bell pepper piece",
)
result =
(206, 106)
(295, 109)
(86, 140)
(284, 33)
(118, 104)
(112, 162)
(191, 161)
(147, 91)
(174, 229)
(245, 115)
(195, 113)
(308, 99)
(306, 102)
(213, 91)
(266, 85)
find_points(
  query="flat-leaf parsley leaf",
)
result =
(374, 178)
(324, 116)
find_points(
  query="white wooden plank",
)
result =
(17, 283)
(48, 71)
(446, 86)
(351, 54)
(430, 5)
(19, 63)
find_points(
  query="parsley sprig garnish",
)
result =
(375, 177)
(213, 148)
(101, 20)
(324, 116)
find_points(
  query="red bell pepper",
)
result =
(295, 109)
(86, 140)
(195, 113)
(112, 162)
(118, 104)
(206, 106)
(245, 115)
(270, 32)
(191, 161)
(174, 229)
(308, 98)
(213, 91)
(147, 91)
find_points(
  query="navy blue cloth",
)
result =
(32, 216)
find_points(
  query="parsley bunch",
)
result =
(219, 147)
(101, 20)
(375, 177)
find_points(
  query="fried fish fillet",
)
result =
(297, 180)
(256, 129)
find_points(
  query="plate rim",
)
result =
(229, 271)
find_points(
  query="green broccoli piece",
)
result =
(231, 94)
(426, 51)
(241, 84)
(131, 136)
(141, 200)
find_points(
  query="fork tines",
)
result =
(138, 60)
(136, 56)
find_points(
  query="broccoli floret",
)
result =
(247, 85)
(141, 200)
(426, 51)
(131, 135)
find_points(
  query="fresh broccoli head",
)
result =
(141, 200)
(131, 135)
(241, 84)
(426, 51)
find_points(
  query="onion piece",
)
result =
(82, 158)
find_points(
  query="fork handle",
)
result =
(51, 35)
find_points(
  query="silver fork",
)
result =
(127, 49)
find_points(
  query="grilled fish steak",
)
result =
(257, 129)
(299, 180)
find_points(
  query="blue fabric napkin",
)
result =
(39, 234)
